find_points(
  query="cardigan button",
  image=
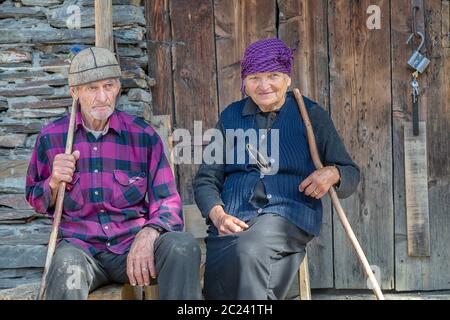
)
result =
(260, 210)
(269, 196)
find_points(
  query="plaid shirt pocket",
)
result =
(73, 198)
(129, 188)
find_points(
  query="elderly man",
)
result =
(110, 231)
(261, 220)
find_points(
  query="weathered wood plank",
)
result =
(159, 44)
(368, 295)
(117, 291)
(446, 23)
(303, 279)
(360, 106)
(194, 75)
(237, 24)
(103, 24)
(304, 23)
(152, 292)
(310, 75)
(416, 187)
(416, 273)
(163, 126)
(194, 222)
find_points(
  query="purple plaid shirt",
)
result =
(106, 204)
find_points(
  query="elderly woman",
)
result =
(259, 223)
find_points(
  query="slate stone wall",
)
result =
(36, 37)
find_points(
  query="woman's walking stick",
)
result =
(58, 205)
(334, 198)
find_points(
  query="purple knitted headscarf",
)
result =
(267, 55)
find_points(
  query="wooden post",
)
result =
(104, 24)
(303, 279)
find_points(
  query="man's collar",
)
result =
(113, 122)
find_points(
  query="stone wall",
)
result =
(35, 39)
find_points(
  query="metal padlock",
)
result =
(418, 61)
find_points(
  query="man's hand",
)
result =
(140, 259)
(317, 184)
(225, 223)
(62, 170)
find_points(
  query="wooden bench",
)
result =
(195, 224)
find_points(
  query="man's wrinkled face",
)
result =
(267, 89)
(97, 99)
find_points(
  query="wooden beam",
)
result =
(445, 24)
(159, 47)
(104, 24)
(194, 75)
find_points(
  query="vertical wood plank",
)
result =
(237, 24)
(416, 185)
(360, 93)
(304, 23)
(104, 24)
(445, 23)
(163, 126)
(310, 75)
(437, 102)
(421, 273)
(304, 279)
(194, 75)
(407, 271)
(159, 45)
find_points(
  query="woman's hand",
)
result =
(225, 223)
(317, 184)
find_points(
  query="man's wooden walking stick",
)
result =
(58, 205)
(334, 198)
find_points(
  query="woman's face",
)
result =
(267, 89)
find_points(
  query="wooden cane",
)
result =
(59, 205)
(334, 198)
